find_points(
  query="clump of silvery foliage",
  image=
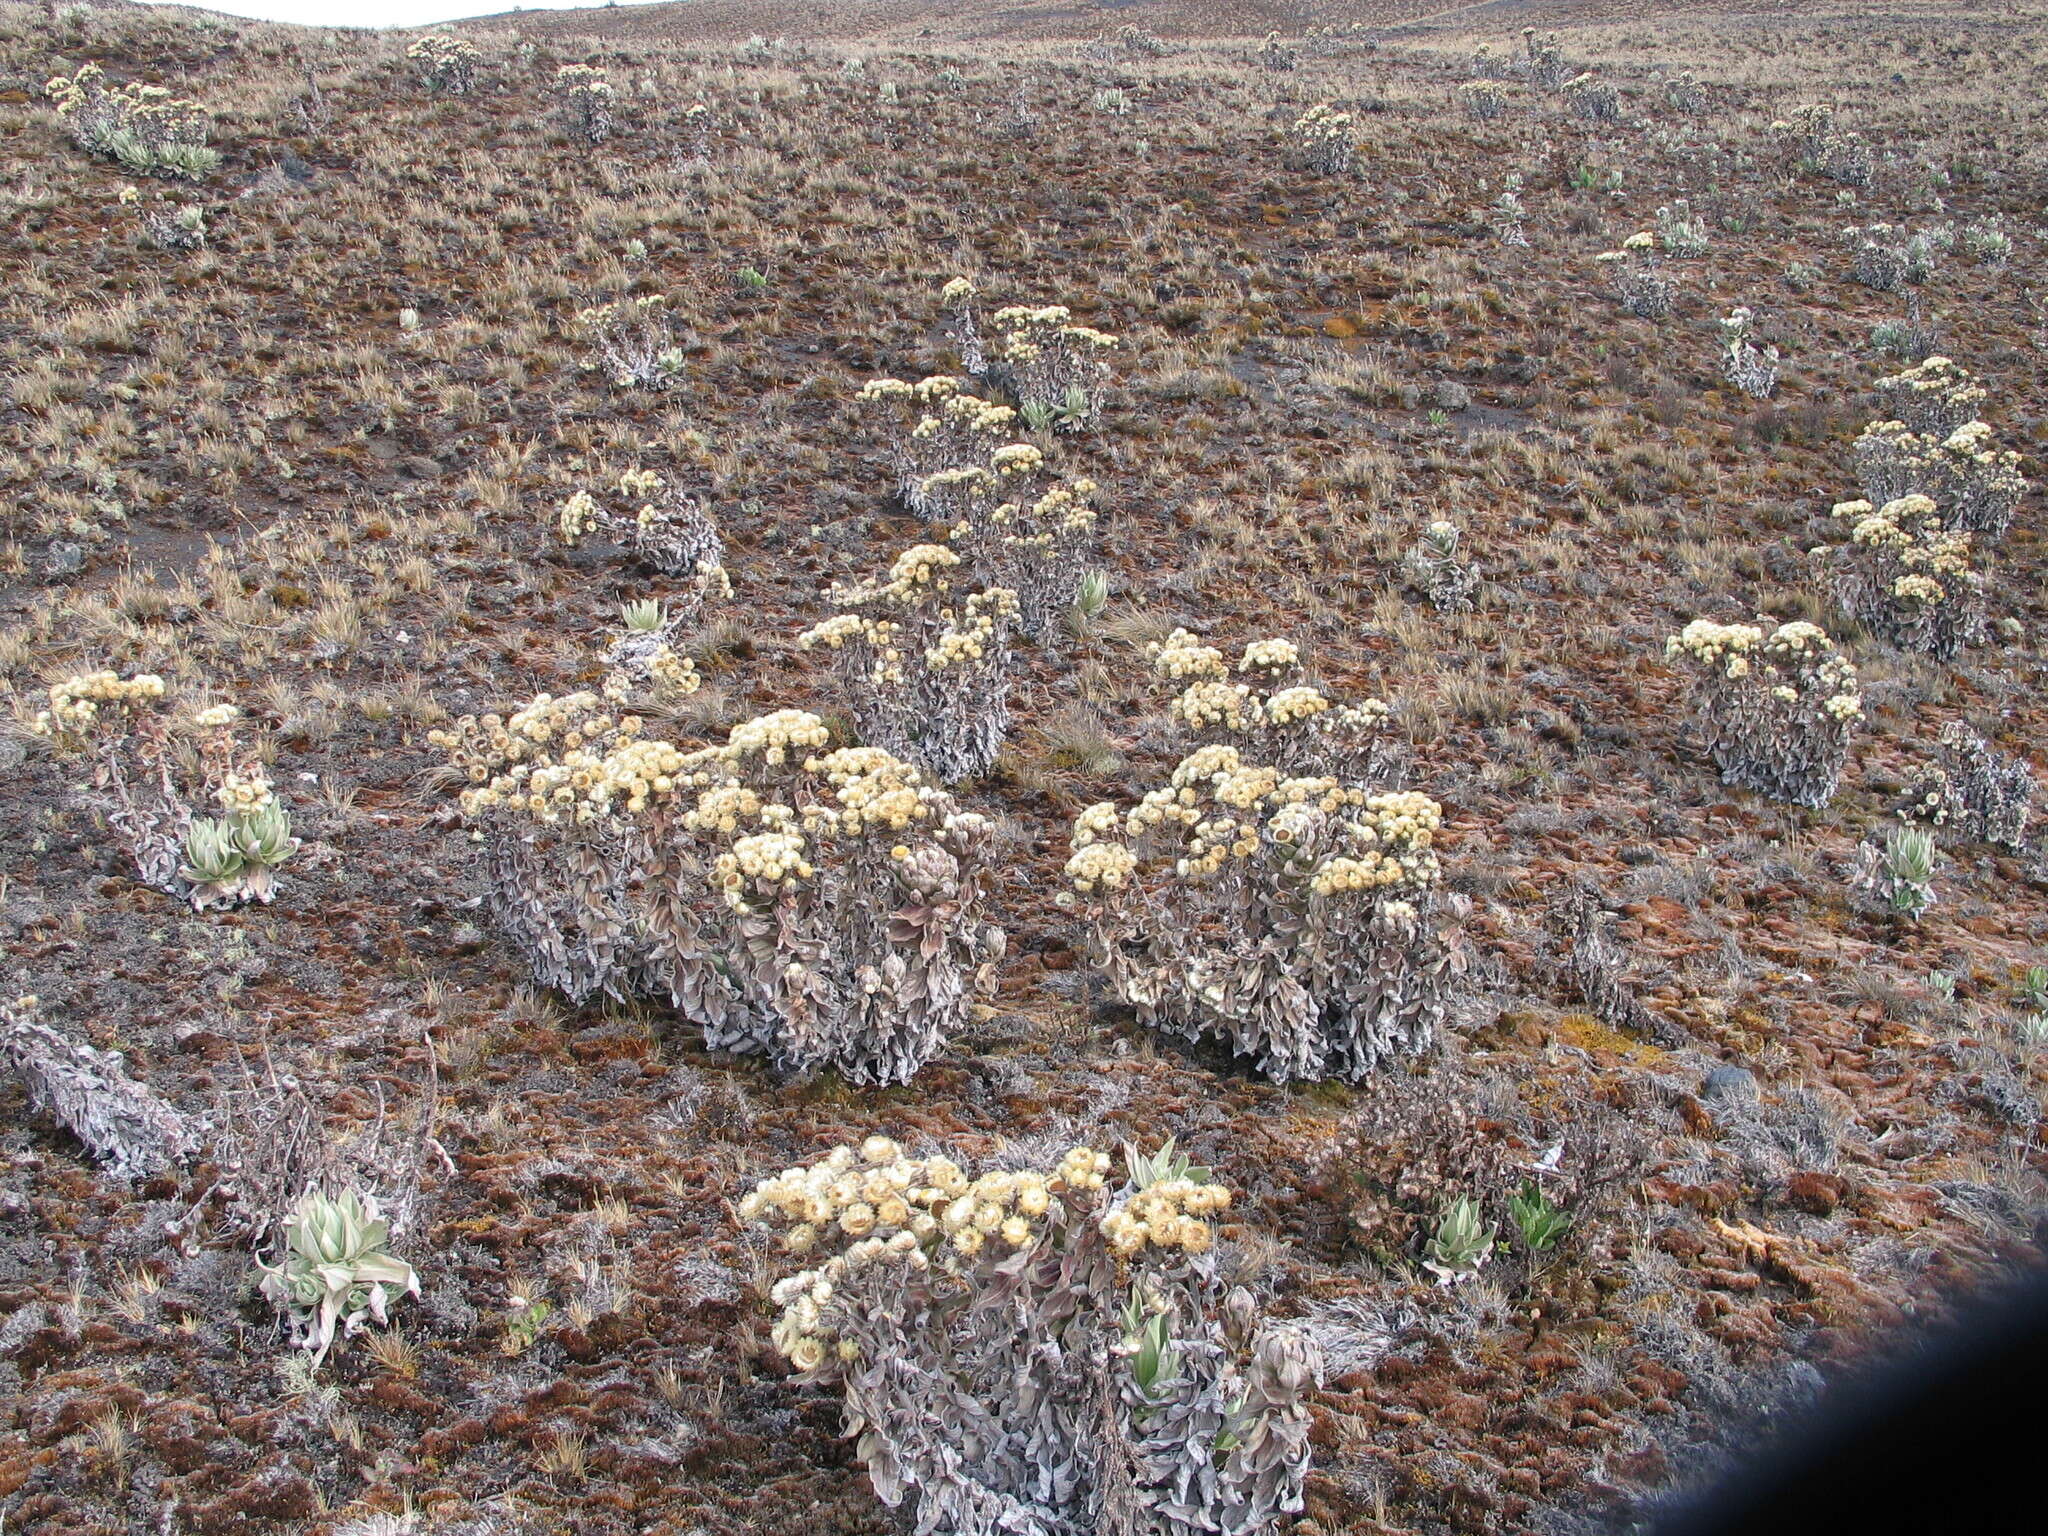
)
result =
(1593, 100)
(89, 1092)
(636, 342)
(1269, 708)
(1040, 1351)
(925, 663)
(1973, 793)
(1277, 56)
(670, 530)
(822, 907)
(1886, 258)
(587, 96)
(149, 769)
(1750, 364)
(1543, 61)
(1821, 147)
(1681, 232)
(1482, 100)
(1326, 139)
(1293, 918)
(1021, 529)
(1024, 532)
(1777, 708)
(446, 65)
(1906, 577)
(1638, 278)
(1684, 93)
(1439, 571)
(1975, 485)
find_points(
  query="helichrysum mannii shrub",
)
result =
(1777, 708)
(1639, 281)
(558, 859)
(144, 127)
(1975, 485)
(147, 786)
(1749, 363)
(1268, 709)
(940, 427)
(821, 906)
(1040, 1352)
(1822, 148)
(1293, 918)
(587, 96)
(1021, 529)
(1593, 100)
(1975, 793)
(1023, 532)
(635, 340)
(1935, 398)
(1439, 571)
(1327, 140)
(1907, 579)
(925, 663)
(1482, 100)
(1055, 367)
(446, 65)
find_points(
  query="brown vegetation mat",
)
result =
(234, 468)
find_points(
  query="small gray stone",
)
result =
(1730, 1083)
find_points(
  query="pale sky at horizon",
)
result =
(381, 13)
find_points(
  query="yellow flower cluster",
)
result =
(1805, 648)
(1711, 644)
(1206, 705)
(550, 760)
(1030, 330)
(1325, 124)
(891, 1207)
(603, 317)
(774, 737)
(148, 109)
(1392, 839)
(1017, 459)
(1297, 703)
(244, 795)
(217, 716)
(958, 290)
(1269, 656)
(1168, 1214)
(877, 791)
(1108, 865)
(1181, 655)
(78, 704)
(1938, 387)
(767, 858)
(576, 518)
(673, 672)
(586, 78)
(1910, 529)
